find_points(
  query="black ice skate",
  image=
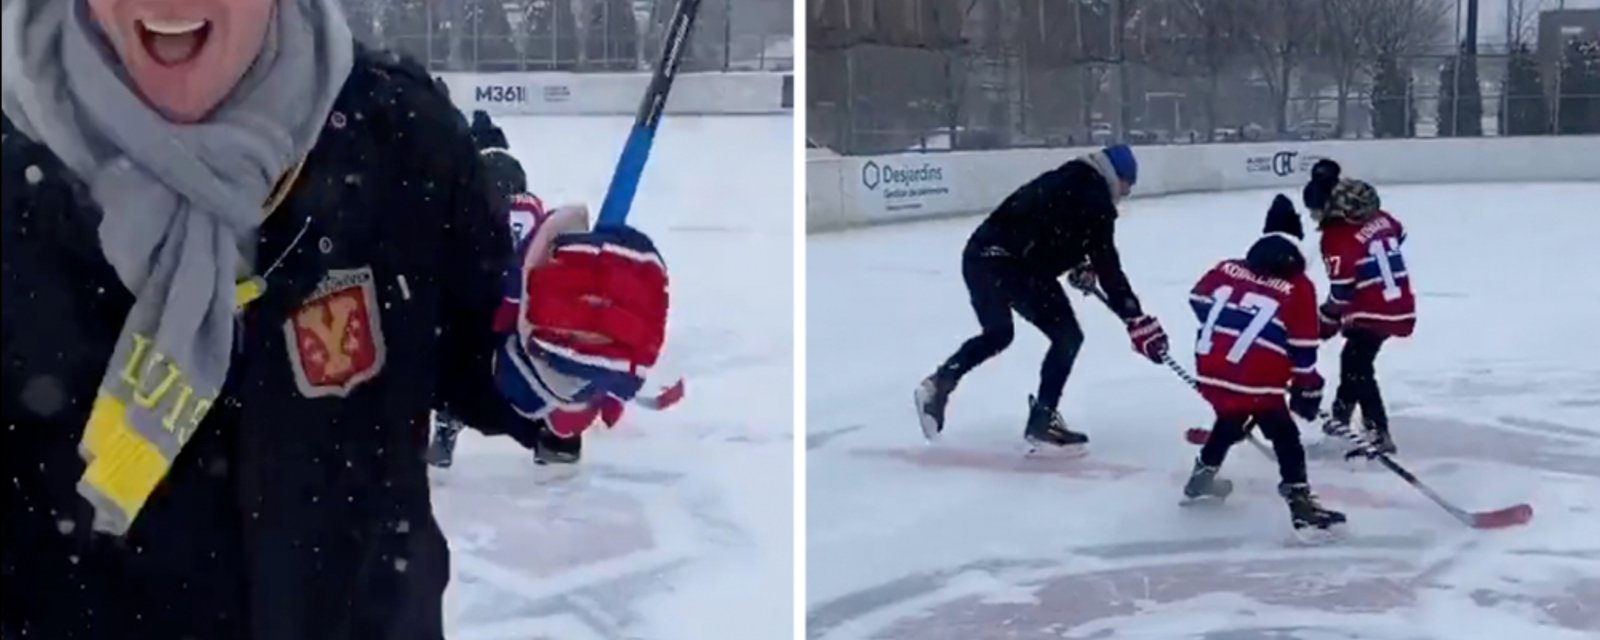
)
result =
(552, 449)
(1337, 436)
(442, 451)
(1205, 486)
(1046, 427)
(1378, 441)
(1312, 523)
(930, 397)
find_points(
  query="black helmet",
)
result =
(505, 173)
(486, 134)
(1324, 174)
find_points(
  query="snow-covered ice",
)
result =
(678, 525)
(1494, 401)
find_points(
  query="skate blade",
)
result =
(1207, 500)
(1315, 537)
(930, 427)
(1222, 488)
(1034, 447)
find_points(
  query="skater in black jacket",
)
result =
(1062, 222)
(243, 259)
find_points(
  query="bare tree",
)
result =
(1277, 39)
(1522, 21)
(947, 20)
(1209, 40)
(1049, 50)
(1409, 27)
(1346, 26)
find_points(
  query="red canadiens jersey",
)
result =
(1256, 334)
(527, 211)
(526, 214)
(1367, 276)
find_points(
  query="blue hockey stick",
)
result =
(625, 182)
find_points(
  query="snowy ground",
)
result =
(673, 515)
(1496, 400)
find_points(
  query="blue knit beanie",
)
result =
(1123, 162)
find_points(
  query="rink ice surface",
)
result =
(1494, 401)
(672, 515)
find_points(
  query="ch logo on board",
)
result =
(1283, 162)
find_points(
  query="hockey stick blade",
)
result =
(1513, 516)
(663, 400)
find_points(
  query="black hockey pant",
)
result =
(1276, 424)
(998, 286)
(1358, 379)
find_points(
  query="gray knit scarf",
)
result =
(179, 202)
(1102, 164)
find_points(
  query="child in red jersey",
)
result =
(1258, 338)
(1370, 300)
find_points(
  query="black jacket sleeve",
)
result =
(475, 252)
(1100, 242)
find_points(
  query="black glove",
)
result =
(1082, 278)
(1305, 395)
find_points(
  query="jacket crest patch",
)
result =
(335, 340)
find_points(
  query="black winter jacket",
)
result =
(300, 510)
(1054, 223)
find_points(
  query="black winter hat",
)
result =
(1282, 218)
(1276, 254)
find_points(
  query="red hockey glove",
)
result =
(589, 311)
(1148, 338)
(598, 310)
(1305, 395)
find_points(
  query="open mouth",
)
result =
(174, 42)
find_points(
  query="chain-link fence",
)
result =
(897, 75)
(576, 35)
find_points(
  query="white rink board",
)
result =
(558, 93)
(846, 192)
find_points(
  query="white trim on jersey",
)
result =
(1363, 315)
(1278, 322)
(1260, 342)
(1239, 388)
(1398, 276)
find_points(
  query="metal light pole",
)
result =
(727, 34)
(1455, 81)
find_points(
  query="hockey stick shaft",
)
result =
(636, 151)
(1188, 378)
